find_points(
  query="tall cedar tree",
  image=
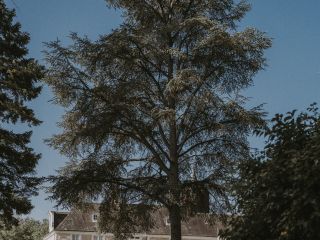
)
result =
(278, 192)
(18, 78)
(154, 115)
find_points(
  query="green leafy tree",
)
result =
(18, 78)
(27, 229)
(154, 115)
(278, 195)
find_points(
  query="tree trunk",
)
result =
(174, 210)
(175, 222)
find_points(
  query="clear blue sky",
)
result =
(291, 81)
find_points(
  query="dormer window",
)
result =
(167, 221)
(95, 217)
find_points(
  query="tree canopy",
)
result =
(278, 193)
(18, 85)
(27, 229)
(154, 110)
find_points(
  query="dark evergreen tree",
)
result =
(154, 111)
(279, 191)
(18, 84)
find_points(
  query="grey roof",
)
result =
(195, 226)
(78, 220)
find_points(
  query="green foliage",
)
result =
(154, 115)
(278, 195)
(27, 229)
(18, 78)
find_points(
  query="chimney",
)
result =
(51, 221)
(202, 193)
(202, 200)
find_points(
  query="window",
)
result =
(167, 221)
(135, 238)
(97, 237)
(75, 237)
(95, 217)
